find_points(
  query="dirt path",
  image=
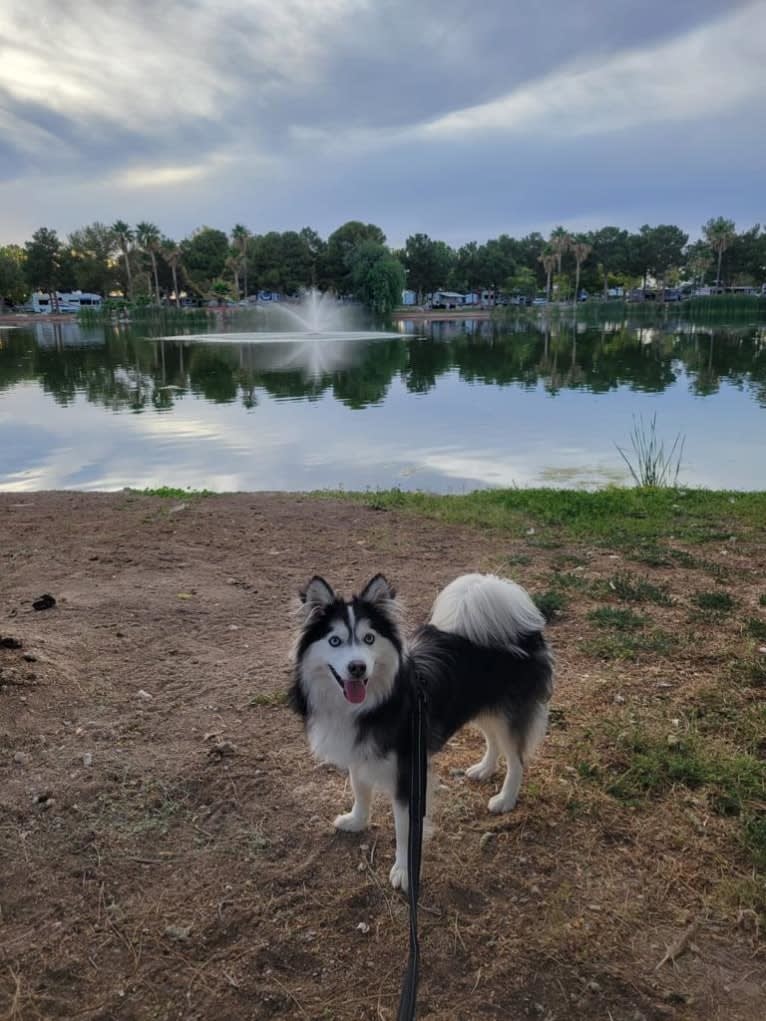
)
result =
(165, 838)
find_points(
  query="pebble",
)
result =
(486, 838)
(20, 758)
(144, 694)
(87, 759)
(363, 927)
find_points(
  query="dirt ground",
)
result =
(166, 849)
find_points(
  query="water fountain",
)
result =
(316, 317)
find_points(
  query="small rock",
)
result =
(363, 927)
(486, 838)
(593, 987)
(87, 759)
(144, 694)
(20, 758)
(10, 643)
(619, 699)
(457, 772)
(180, 933)
(673, 740)
(45, 602)
(223, 750)
(29, 657)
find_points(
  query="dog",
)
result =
(481, 658)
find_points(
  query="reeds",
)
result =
(650, 466)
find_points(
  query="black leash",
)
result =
(417, 809)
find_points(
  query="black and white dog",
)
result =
(482, 657)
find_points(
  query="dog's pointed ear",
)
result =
(378, 590)
(316, 595)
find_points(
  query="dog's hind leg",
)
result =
(487, 767)
(514, 770)
(359, 816)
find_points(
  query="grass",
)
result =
(615, 517)
(757, 628)
(650, 466)
(550, 603)
(716, 602)
(641, 765)
(631, 588)
(626, 645)
(268, 699)
(619, 620)
(173, 492)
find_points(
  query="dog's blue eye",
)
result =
(368, 639)
(334, 641)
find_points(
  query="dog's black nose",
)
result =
(357, 668)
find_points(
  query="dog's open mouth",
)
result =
(354, 688)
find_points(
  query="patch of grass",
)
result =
(631, 588)
(650, 765)
(620, 620)
(717, 602)
(757, 628)
(762, 599)
(173, 492)
(268, 699)
(626, 645)
(570, 580)
(617, 517)
(550, 603)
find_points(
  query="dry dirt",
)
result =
(165, 839)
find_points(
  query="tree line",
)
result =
(143, 265)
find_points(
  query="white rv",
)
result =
(65, 301)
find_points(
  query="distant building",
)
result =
(409, 297)
(64, 301)
(447, 299)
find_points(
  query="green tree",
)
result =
(340, 244)
(427, 263)
(719, 234)
(124, 236)
(42, 265)
(560, 243)
(13, 281)
(204, 256)
(610, 250)
(171, 253)
(377, 277)
(92, 250)
(316, 250)
(149, 238)
(581, 250)
(549, 261)
(523, 282)
(658, 249)
(240, 239)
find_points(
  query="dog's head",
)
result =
(348, 651)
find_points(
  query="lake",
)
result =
(447, 407)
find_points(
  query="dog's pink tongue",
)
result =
(354, 690)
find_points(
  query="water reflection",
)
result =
(437, 385)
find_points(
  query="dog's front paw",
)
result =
(399, 878)
(481, 771)
(500, 803)
(350, 823)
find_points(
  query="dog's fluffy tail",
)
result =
(487, 610)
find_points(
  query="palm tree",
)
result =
(719, 234)
(560, 242)
(240, 237)
(171, 253)
(148, 237)
(124, 236)
(699, 265)
(233, 264)
(581, 250)
(548, 259)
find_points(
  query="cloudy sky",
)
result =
(460, 118)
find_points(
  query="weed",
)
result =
(717, 602)
(620, 620)
(628, 587)
(625, 645)
(268, 699)
(652, 467)
(762, 599)
(173, 492)
(550, 604)
(757, 628)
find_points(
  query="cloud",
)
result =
(316, 111)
